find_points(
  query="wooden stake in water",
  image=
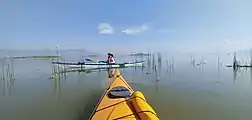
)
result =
(218, 65)
(3, 73)
(1, 67)
(64, 70)
(1, 76)
(8, 71)
(12, 69)
(172, 64)
(202, 64)
(235, 63)
(251, 58)
(149, 62)
(167, 65)
(156, 73)
(153, 62)
(159, 64)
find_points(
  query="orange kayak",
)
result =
(120, 101)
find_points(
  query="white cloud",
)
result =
(105, 28)
(136, 30)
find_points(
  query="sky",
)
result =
(127, 25)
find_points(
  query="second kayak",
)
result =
(120, 101)
(87, 65)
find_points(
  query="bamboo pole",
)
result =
(3, 73)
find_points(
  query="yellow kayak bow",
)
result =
(119, 101)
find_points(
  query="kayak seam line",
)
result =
(134, 110)
(111, 112)
(150, 112)
(123, 117)
(140, 98)
(111, 105)
(105, 94)
(99, 102)
(147, 110)
(125, 82)
(135, 115)
(93, 113)
(118, 103)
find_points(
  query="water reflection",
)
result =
(183, 95)
(111, 72)
(235, 70)
(218, 66)
(156, 86)
(57, 85)
(242, 72)
(59, 78)
(251, 76)
(6, 76)
(169, 66)
(7, 86)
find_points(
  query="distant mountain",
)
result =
(66, 53)
(140, 54)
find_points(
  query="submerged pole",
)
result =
(218, 67)
(12, 69)
(251, 58)
(3, 73)
(234, 61)
(1, 67)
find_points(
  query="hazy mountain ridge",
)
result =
(46, 52)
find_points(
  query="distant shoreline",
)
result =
(36, 57)
(140, 54)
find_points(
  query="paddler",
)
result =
(111, 59)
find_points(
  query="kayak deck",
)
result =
(117, 108)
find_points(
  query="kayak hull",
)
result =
(126, 108)
(98, 65)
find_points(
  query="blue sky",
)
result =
(127, 25)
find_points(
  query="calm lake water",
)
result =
(183, 92)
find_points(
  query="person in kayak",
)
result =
(111, 59)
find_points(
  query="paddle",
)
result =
(87, 59)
